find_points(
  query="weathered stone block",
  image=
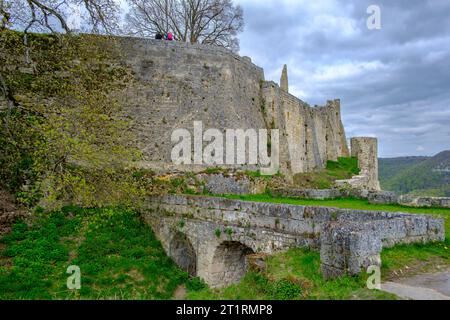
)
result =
(416, 226)
(348, 249)
(435, 229)
(382, 197)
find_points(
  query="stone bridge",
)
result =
(212, 237)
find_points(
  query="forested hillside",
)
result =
(417, 175)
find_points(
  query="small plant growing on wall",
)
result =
(218, 233)
(277, 222)
(334, 216)
(229, 232)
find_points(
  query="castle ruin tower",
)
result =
(366, 150)
(284, 83)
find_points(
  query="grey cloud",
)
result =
(393, 83)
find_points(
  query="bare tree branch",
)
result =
(214, 22)
(100, 16)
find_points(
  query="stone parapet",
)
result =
(415, 201)
(374, 197)
(315, 194)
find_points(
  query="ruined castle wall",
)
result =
(310, 136)
(179, 83)
(366, 150)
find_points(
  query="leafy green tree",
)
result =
(65, 137)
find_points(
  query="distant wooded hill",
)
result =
(428, 176)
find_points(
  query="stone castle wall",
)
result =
(179, 83)
(366, 150)
(311, 136)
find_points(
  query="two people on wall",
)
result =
(167, 36)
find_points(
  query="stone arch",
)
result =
(229, 263)
(183, 253)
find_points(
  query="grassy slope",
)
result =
(389, 167)
(344, 168)
(120, 258)
(118, 255)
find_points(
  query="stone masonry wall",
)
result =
(366, 150)
(222, 231)
(387, 197)
(309, 136)
(179, 83)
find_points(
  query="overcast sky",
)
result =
(394, 83)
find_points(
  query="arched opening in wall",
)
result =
(229, 263)
(183, 253)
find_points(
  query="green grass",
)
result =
(416, 258)
(120, 258)
(118, 255)
(313, 180)
(292, 275)
(343, 168)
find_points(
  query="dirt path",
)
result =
(180, 293)
(429, 286)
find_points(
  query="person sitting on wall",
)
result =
(159, 36)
